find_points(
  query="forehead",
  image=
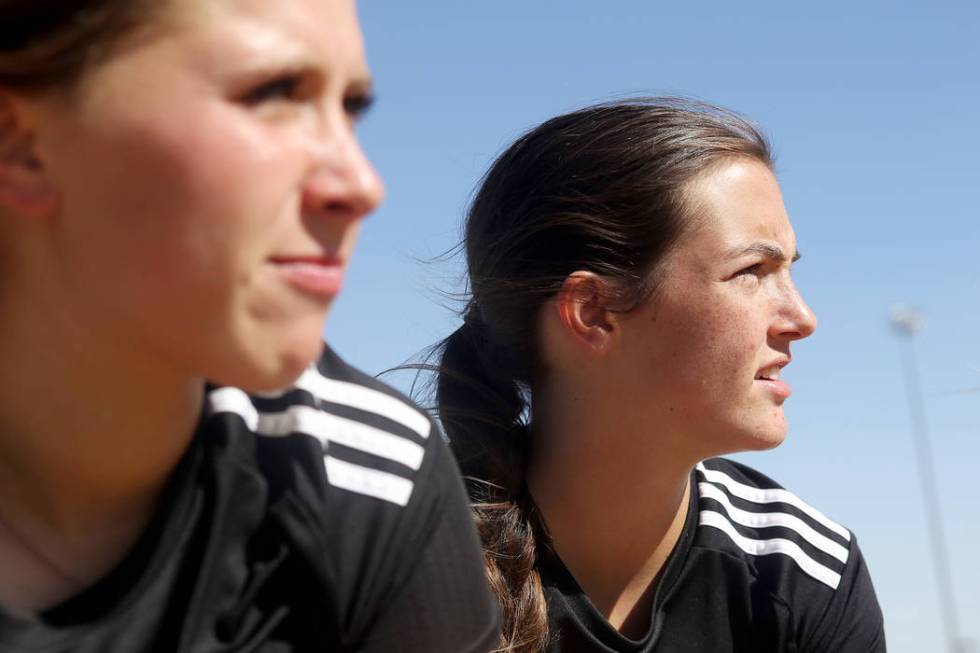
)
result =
(316, 29)
(737, 204)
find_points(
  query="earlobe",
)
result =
(24, 187)
(583, 312)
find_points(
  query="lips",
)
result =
(769, 377)
(320, 276)
(769, 374)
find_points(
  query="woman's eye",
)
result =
(752, 270)
(750, 274)
(356, 106)
(279, 88)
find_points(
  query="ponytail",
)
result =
(483, 410)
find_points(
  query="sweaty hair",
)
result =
(48, 44)
(602, 189)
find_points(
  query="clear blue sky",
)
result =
(873, 108)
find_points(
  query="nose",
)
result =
(342, 182)
(795, 320)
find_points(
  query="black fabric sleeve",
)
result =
(445, 604)
(404, 570)
(852, 622)
(411, 579)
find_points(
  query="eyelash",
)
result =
(752, 269)
(357, 106)
(282, 87)
(285, 87)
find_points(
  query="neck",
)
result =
(89, 433)
(633, 498)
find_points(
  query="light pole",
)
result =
(907, 323)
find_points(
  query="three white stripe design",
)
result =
(759, 495)
(760, 547)
(364, 398)
(327, 428)
(360, 397)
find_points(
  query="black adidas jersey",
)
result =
(756, 570)
(329, 517)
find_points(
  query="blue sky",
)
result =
(873, 111)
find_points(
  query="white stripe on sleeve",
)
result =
(326, 427)
(760, 495)
(371, 482)
(755, 547)
(766, 519)
(364, 398)
(233, 400)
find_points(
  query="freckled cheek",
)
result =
(682, 359)
(742, 366)
(723, 352)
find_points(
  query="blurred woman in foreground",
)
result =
(183, 466)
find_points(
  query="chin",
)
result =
(767, 443)
(752, 436)
(272, 363)
(766, 437)
(286, 367)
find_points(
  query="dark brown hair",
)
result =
(48, 44)
(602, 189)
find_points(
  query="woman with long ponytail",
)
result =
(631, 311)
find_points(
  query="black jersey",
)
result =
(756, 570)
(329, 517)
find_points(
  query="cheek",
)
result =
(713, 352)
(736, 355)
(231, 176)
(180, 193)
(164, 233)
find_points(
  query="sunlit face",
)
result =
(211, 185)
(704, 359)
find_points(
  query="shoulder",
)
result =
(354, 472)
(362, 483)
(801, 558)
(793, 548)
(359, 436)
(760, 569)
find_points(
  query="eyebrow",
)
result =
(767, 250)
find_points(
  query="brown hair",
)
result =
(48, 44)
(601, 189)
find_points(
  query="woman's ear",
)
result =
(582, 311)
(24, 185)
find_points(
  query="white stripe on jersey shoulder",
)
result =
(364, 398)
(328, 428)
(372, 482)
(324, 426)
(761, 495)
(233, 400)
(767, 519)
(821, 572)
